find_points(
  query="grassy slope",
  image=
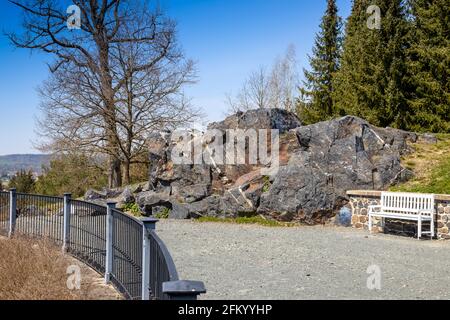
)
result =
(431, 165)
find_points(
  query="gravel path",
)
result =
(255, 262)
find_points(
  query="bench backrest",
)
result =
(407, 203)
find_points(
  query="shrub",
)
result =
(164, 214)
(133, 209)
(23, 181)
(72, 173)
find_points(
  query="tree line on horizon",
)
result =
(396, 74)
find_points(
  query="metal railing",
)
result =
(126, 250)
(4, 212)
(163, 263)
(40, 216)
(87, 227)
(127, 245)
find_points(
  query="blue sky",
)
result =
(227, 38)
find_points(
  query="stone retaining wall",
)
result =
(360, 200)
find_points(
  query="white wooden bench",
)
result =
(405, 206)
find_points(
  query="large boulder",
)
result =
(335, 156)
(318, 164)
(259, 119)
(149, 200)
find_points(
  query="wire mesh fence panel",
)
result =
(127, 255)
(43, 216)
(87, 239)
(162, 267)
(40, 216)
(4, 212)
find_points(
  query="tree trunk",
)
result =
(114, 173)
(126, 173)
(109, 115)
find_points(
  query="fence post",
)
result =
(109, 241)
(183, 290)
(12, 211)
(67, 214)
(148, 225)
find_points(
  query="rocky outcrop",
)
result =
(335, 156)
(318, 164)
(279, 119)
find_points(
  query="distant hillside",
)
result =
(10, 164)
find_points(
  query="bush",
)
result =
(133, 209)
(164, 214)
(23, 181)
(71, 173)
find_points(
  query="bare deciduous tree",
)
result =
(254, 93)
(274, 89)
(284, 81)
(109, 78)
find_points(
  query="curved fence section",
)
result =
(126, 250)
(40, 216)
(87, 240)
(163, 264)
(127, 243)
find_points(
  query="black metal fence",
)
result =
(40, 216)
(4, 212)
(87, 239)
(163, 265)
(126, 250)
(127, 244)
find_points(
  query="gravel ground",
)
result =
(255, 262)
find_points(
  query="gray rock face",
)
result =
(318, 164)
(91, 195)
(151, 199)
(335, 156)
(259, 119)
(428, 138)
(120, 196)
(126, 197)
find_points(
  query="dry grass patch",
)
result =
(37, 270)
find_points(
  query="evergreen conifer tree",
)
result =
(372, 82)
(429, 66)
(316, 103)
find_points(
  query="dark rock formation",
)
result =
(318, 164)
(335, 156)
(259, 119)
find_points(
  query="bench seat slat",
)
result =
(401, 216)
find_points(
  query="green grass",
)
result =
(431, 165)
(267, 184)
(258, 220)
(133, 209)
(164, 214)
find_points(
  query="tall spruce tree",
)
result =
(316, 103)
(430, 65)
(372, 82)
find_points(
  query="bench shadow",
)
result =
(404, 228)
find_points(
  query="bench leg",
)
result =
(370, 223)
(419, 228)
(432, 228)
